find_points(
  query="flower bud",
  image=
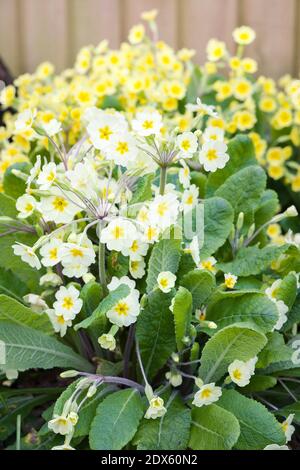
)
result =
(69, 373)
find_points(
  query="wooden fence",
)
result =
(32, 31)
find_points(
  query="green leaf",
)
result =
(233, 342)
(218, 219)
(116, 421)
(252, 260)
(27, 348)
(117, 264)
(7, 206)
(258, 426)
(11, 285)
(155, 332)
(170, 432)
(98, 317)
(17, 313)
(274, 351)
(182, 311)
(143, 190)
(9, 261)
(287, 290)
(244, 189)
(253, 308)
(260, 383)
(293, 315)
(213, 428)
(268, 207)
(12, 185)
(200, 284)
(91, 295)
(242, 155)
(165, 256)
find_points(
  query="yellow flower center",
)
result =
(237, 374)
(147, 124)
(134, 246)
(68, 303)
(212, 154)
(53, 253)
(122, 147)
(164, 282)
(206, 393)
(162, 208)
(60, 204)
(122, 308)
(118, 232)
(186, 144)
(105, 132)
(28, 207)
(76, 252)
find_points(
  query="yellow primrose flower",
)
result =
(149, 15)
(136, 34)
(244, 35)
(215, 50)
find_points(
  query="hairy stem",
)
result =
(163, 179)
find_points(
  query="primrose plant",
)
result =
(157, 325)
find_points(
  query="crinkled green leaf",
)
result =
(155, 332)
(218, 219)
(258, 426)
(170, 432)
(165, 256)
(182, 311)
(200, 284)
(27, 348)
(116, 420)
(253, 308)
(274, 351)
(253, 260)
(15, 312)
(242, 154)
(228, 344)
(213, 428)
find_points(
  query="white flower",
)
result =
(50, 279)
(137, 250)
(166, 281)
(103, 127)
(187, 143)
(27, 255)
(63, 447)
(194, 250)
(230, 280)
(63, 425)
(34, 171)
(47, 176)
(119, 234)
(276, 447)
(147, 123)
(151, 233)
(291, 212)
(107, 341)
(213, 155)
(26, 205)
(207, 394)
(201, 107)
(163, 210)
(240, 372)
(209, 264)
(272, 291)
(184, 175)
(212, 133)
(282, 311)
(190, 197)
(244, 35)
(36, 302)
(52, 127)
(60, 207)
(156, 408)
(136, 34)
(83, 178)
(74, 256)
(137, 268)
(59, 323)
(50, 252)
(25, 120)
(287, 427)
(174, 378)
(126, 310)
(121, 149)
(67, 302)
